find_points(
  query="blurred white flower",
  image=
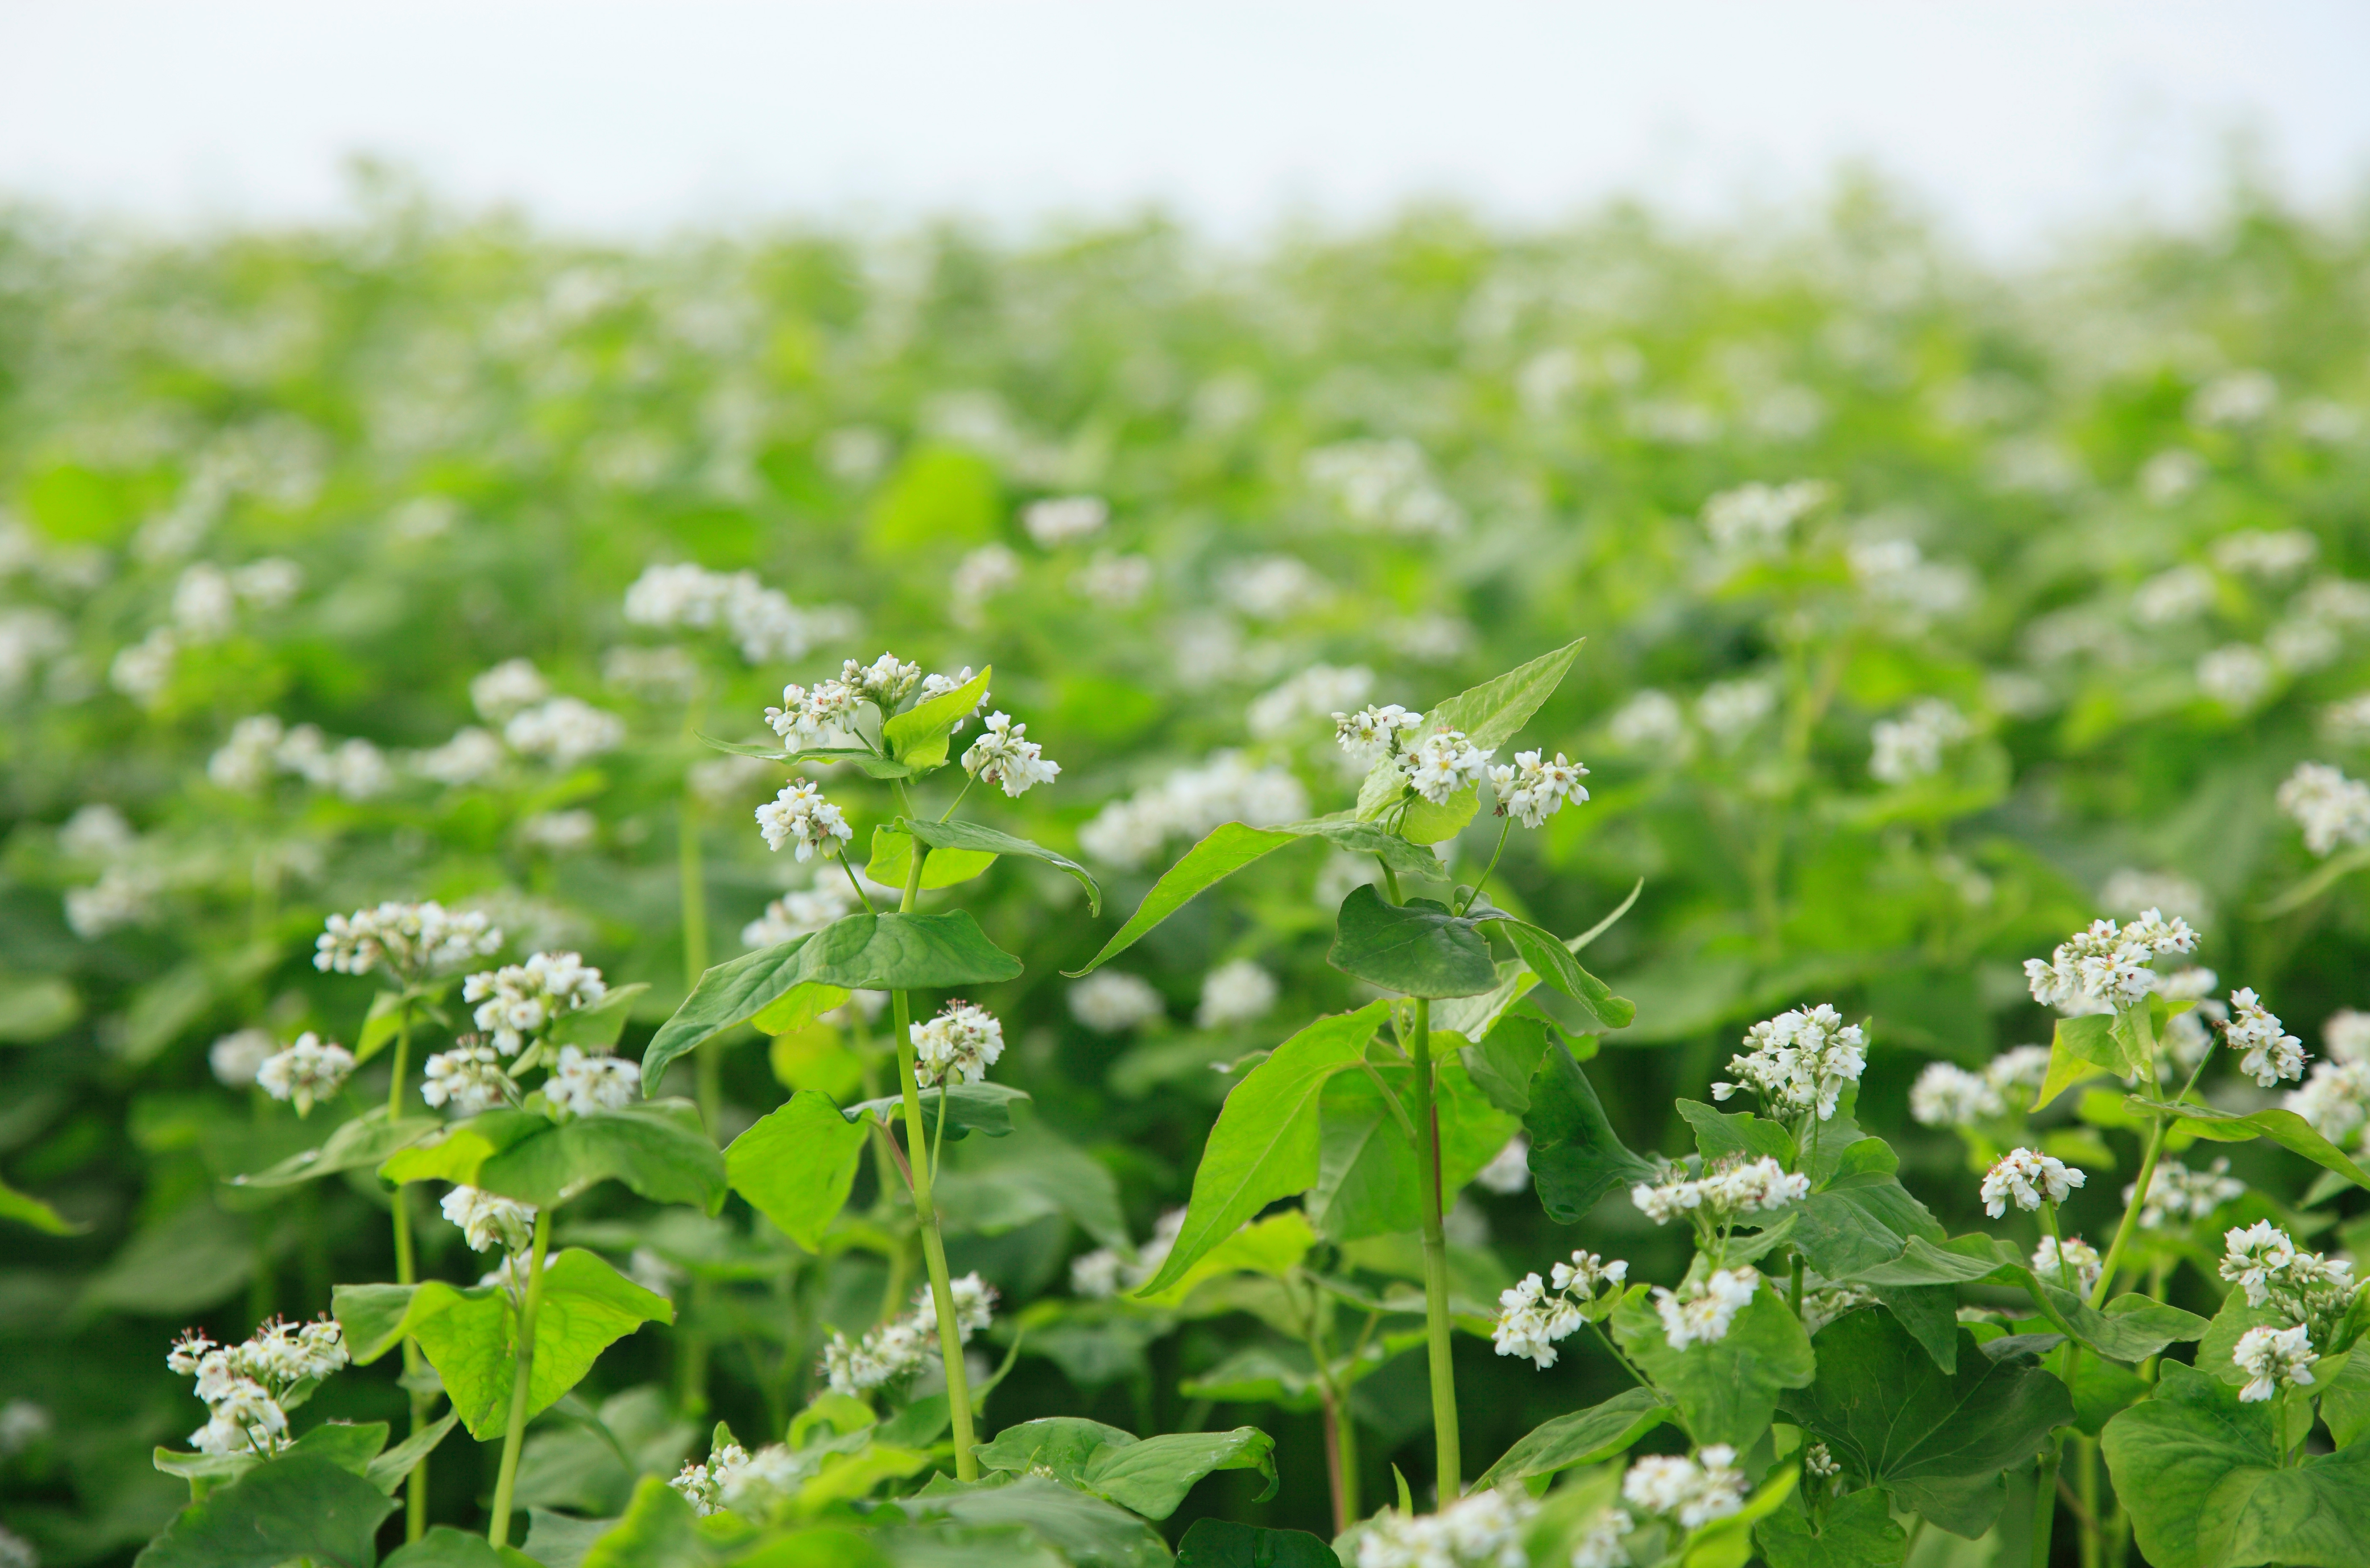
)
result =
(1907, 749)
(2259, 552)
(471, 757)
(1189, 803)
(2236, 676)
(559, 832)
(506, 689)
(2241, 398)
(566, 730)
(1650, 723)
(2177, 594)
(2330, 807)
(2170, 476)
(1758, 516)
(1313, 693)
(1064, 520)
(234, 1058)
(1271, 587)
(307, 1072)
(96, 832)
(1509, 1171)
(1729, 710)
(1111, 1002)
(1239, 991)
(1384, 485)
(123, 895)
(979, 577)
(1114, 581)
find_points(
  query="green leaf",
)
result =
(386, 1471)
(469, 1335)
(2201, 1475)
(1368, 1182)
(1038, 1175)
(1502, 1063)
(2083, 1048)
(1222, 1543)
(1087, 1531)
(2344, 1394)
(659, 1530)
(857, 952)
(1728, 1135)
(1583, 1437)
(1265, 1144)
(1551, 961)
(1427, 821)
(1062, 1444)
(2100, 1388)
(300, 1506)
(381, 1024)
(920, 736)
(797, 1008)
(1727, 1391)
(1478, 1016)
(444, 1547)
(1271, 1247)
(1151, 1477)
(983, 1107)
(1857, 1531)
(892, 862)
(596, 1028)
(2285, 1128)
(25, 1209)
(557, 1540)
(1939, 1441)
(1575, 1157)
(347, 1445)
(1490, 714)
(1861, 1217)
(796, 1164)
(660, 1150)
(1351, 836)
(369, 1139)
(957, 837)
(1230, 847)
(2133, 1327)
(1418, 948)
(34, 1008)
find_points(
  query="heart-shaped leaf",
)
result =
(920, 737)
(959, 838)
(796, 1165)
(1583, 1437)
(302, 1506)
(1417, 948)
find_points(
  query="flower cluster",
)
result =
(581, 1084)
(1800, 1061)
(1002, 755)
(736, 1479)
(1907, 749)
(1374, 733)
(1237, 991)
(2330, 807)
(470, 1078)
(1101, 1274)
(307, 1072)
(2072, 1264)
(1702, 1312)
(814, 718)
(897, 1349)
(410, 941)
(956, 1047)
(2263, 1261)
(1694, 1491)
(1604, 1543)
(567, 729)
(800, 815)
(2177, 1195)
(1756, 516)
(489, 1222)
(1534, 791)
(1440, 764)
(1532, 1319)
(2268, 1053)
(1189, 803)
(2028, 1177)
(1948, 1095)
(1482, 1529)
(2273, 1359)
(2107, 966)
(1112, 1001)
(1727, 1188)
(517, 999)
(247, 1388)
(762, 620)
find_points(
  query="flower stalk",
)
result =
(1437, 1328)
(498, 1530)
(414, 1500)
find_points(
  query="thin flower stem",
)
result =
(857, 882)
(2149, 1158)
(1451, 1477)
(1614, 1351)
(2044, 1500)
(968, 782)
(415, 1501)
(1390, 879)
(707, 1066)
(498, 1530)
(1475, 896)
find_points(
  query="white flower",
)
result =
(979, 577)
(1237, 991)
(2262, 553)
(1729, 710)
(1588, 1273)
(1440, 765)
(1314, 693)
(144, 670)
(813, 718)
(1694, 1491)
(1756, 516)
(1002, 756)
(566, 729)
(1600, 1546)
(1062, 520)
(235, 1058)
(1800, 1061)
(1374, 733)
(307, 1072)
(2175, 595)
(1530, 1321)
(1819, 1464)
(1385, 485)
(1535, 791)
(123, 895)
(2178, 1193)
(653, 1273)
(559, 832)
(1910, 747)
(2052, 1262)
(244, 1385)
(471, 757)
(800, 914)
(96, 832)
(1190, 803)
(1095, 1275)
(411, 941)
(2107, 965)
(506, 689)
(470, 1078)
(1481, 1529)
(2236, 676)
(2273, 1359)
(1727, 1188)
(1111, 1002)
(2268, 1054)
(2028, 1177)
(2346, 1035)
(2171, 475)
(1702, 1314)
(1114, 580)
(22, 1425)
(703, 1484)
(2330, 807)
(246, 761)
(580, 1085)
(489, 1222)
(884, 683)
(956, 1047)
(2018, 1067)
(2238, 398)
(762, 620)
(2347, 722)
(1650, 721)
(1509, 1171)
(1947, 1095)
(1271, 587)
(799, 815)
(895, 1349)
(518, 999)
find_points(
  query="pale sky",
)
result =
(2015, 120)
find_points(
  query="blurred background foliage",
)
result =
(2051, 576)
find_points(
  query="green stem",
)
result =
(2044, 1505)
(1797, 1285)
(2086, 1486)
(1475, 897)
(707, 1067)
(498, 1530)
(1435, 1265)
(2044, 1501)
(414, 1500)
(2154, 1150)
(1390, 878)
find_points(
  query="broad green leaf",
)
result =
(1728, 1135)
(1418, 948)
(1368, 1182)
(1727, 1391)
(1552, 961)
(348, 1445)
(1575, 1157)
(983, 1107)
(1855, 1531)
(1502, 1064)
(1087, 1531)
(384, 1023)
(1151, 1477)
(34, 1008)
(1583, 1437)
(892, 862)
(1429, 822)
(1265, 1144)
(1476, 1017)
(857, 952)
(1350, 836)
(2344, 1394)
(2133, 1327)
(660, 1150)
(25, 1209)
(557, 1540)
(596, 1028)
(1929, 1313)
(300, 1506)
(1229, 847)
(1939, 1441)
(1962, 1260)
(387, 1471)
(797, 1008)
(921, 736)
(1062, 1444)
(1272, 1247)
(469, 1336)
(1285, 1375)
(956, 838)
(2285, 1128)
(1490, 715)
(796, 1164)
(1861, 1217)
(444, 1547)
(2100, 1388)
(2201, 1475)
(1222, 1543)
(659, 1530)
(369, 1139)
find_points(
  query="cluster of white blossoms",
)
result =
(566, 730)
(243, 1385)
(800, 914)
(2028, 1177)
(259, 748)
(2072, 1264)
(1509, 1171)
(235, 1058)
(123, 895)
(762, 621)
(1314, 693)
(1702, 1312)
(2330, 807)
(898, 1348)
(800, 816)
(1110, 1001)
(1102, 1274)
(1948, 1095)
(956, 1047)
(2273, 1359)
(2306, 1290)
(1385, 485)
(1437, 765)
(470, 1077)
(306, 1073)
(1757, 516)
(736, 1479)
(1532, 1317)
(1190, 803)
(1603, 1543)
(489, 1222)
(410, 943)
(582, 1084)
(1534, 791)
(1481, 1529)
(1237, 991)
(2179, 1197)
(1726, 1190)
(471, 757)
(517, 999)
(2108, 965)
(1730, 711)
(1005, 756)
(1694, 1491)
(2335, 1098)
(1799, 1061)
(1904, 750)
(1064, 519)
(2267, 1053)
